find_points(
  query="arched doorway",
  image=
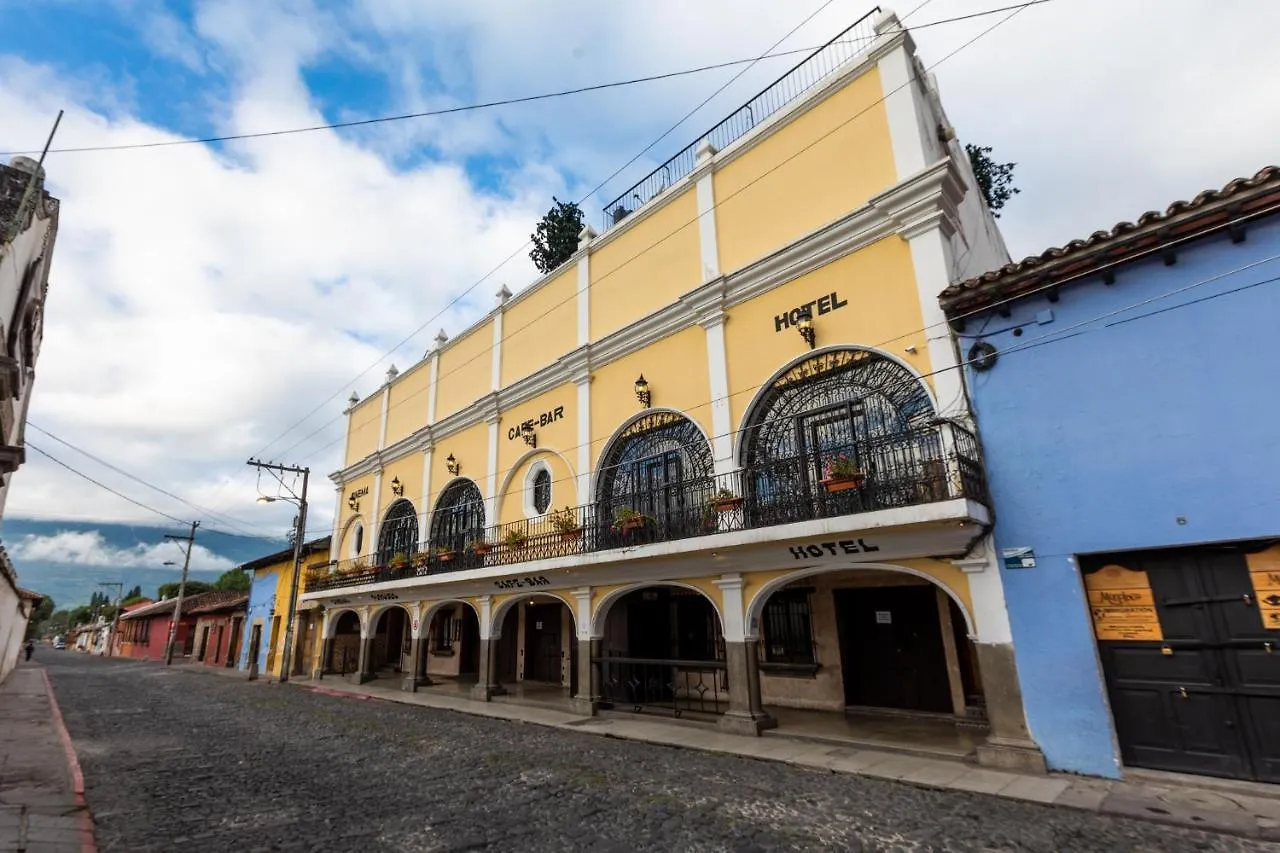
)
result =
(537, 651)
(457, 522)
(392, 643)
(663, 650)
(659, 472)
(398, 536)
(451, 644)
(872, 643)
(845, 430)
(344, 649)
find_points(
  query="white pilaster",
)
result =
(732, 610)
(495, 371)
(583, 382)
(491, 477)
(718, 370)
(903, 105)
(582, 612)
(986, 588)
(375, 513)
(931, 257)
(705, 190)
(424, 508)
(484, 609)
(334, 544)
(584, 286)
(382, 425)
(441, 338)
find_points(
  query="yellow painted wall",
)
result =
(365, 513)
(676, 370)
(471, 448)
(647, 265)
(878, 284)
(409, 471)
(466, 371)
(364, 424)
(819, 167)
(563, 487)
(541, 327)
(407, 406)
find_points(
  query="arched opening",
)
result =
(887, 649)
(398, 536)
(344, 650)
(452, 645)
(458, 520)
(655, 479)
(392, 643)
(536, 651)
(663, 650)
(845, 430)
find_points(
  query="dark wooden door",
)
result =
(1206, 698)
(469, 655)
(891, 648)
(542, 643)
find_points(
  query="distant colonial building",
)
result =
(720, 462)
(1123, 385)
(28, 229)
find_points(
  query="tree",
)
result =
(136, 592)
(39, 617)
(170, 590)
(556, 238)
(233, 581)
(994, 179)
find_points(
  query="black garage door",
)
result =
(1205, 698)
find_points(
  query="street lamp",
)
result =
(300, 501)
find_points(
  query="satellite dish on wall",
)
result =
(983, 356)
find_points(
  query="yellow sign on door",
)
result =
(1122, 605)
(1264, 571)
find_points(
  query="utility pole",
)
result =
(286, 652)
(115, 621)
(182, 589)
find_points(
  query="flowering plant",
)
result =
(840, 466)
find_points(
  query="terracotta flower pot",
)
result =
(726, 504)
(843, 482)
(570, 535)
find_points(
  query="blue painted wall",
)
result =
(1103, 426)
(262, 600)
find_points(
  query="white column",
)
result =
(903, 105)
(986, 589)
(485, 611)
(582, 612)
(732, 611)
(375, 514)
(491, 478)
(424, 508)
(583, 382)
(334, 544)
(441, 338)
(718, 370)
(496, 360)
(382, 425)
(701, 177)
(584, 286)
(931, 257)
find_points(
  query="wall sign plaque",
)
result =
(1122, 605)
(1264, 572)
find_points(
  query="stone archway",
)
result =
(391, 642)
(342, 643)
(536, 645)
(449, 644)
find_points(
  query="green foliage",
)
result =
(233, 580)
(135, 593)
(994, 179)
(39, 618)
(170, 590)
(556, 238)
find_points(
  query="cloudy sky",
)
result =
(204, 298)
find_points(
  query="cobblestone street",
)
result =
(183, 760)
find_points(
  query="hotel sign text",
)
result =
(825, 305)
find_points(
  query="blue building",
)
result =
(271, 578)
(1125, 388)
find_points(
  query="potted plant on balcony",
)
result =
(420, 559)
(841, 472)
(515, 538)
(725, 501)
(399, 560)
(566, 524)
(626, 519)
(442, 555)
(479, 547)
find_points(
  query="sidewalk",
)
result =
(42, 807)
(1237, 808)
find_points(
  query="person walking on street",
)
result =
(31, 647)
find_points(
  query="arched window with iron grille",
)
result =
(849, 405)
(542, 490)
(399, 531)
(458, 520)
(660, 467)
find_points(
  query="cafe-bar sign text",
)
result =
(548, 417)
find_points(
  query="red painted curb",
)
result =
(88, 844)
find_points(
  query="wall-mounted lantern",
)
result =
(452, 465)
(642, 392)
(353, 504)
(805, 325)
(530, 437)
(397, 488)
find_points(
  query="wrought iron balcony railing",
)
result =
(924, 465)
(807, 74)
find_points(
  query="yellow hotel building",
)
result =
(719, 464)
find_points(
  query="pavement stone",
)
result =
(224, 764)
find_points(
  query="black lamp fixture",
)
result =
(805, 325)
(642, 392)
(530, 437)
(397, 488)
(353, 504)
(453, 465)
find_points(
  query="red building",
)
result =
(219, 627)
(144, 628)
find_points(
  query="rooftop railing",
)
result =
(927, 464)
(805, 76)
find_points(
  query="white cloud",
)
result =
(90, 548)
(204, 299)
